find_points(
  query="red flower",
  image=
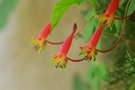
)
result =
(90, 48)
(60, 60)
(109, 14)
(39, 43)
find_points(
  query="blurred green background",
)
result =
(22, 68)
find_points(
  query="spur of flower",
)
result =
(60, 60)
(39, 43)
(90, 49)
(109, 14)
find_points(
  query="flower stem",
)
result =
(124, 17)
(77, 60)
(116, 43)
(54, 43)
(122, 33)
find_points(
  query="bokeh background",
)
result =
(21, 67)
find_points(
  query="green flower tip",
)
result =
(38, 44)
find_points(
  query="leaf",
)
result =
(6, 7)
(111, 29)
(118, 25)
(130, 32)
(132, 86)
(93, 2)
(78, 84)
(60, 8)
(90, 28)
(90, 14)
(131, 7)
(97, 72)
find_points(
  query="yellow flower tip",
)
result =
(89, 52)
(38, 44)
(60, 61)
(92, 54)
(109, 19)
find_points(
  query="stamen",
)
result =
(122, 33)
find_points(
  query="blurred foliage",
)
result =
(121, 74)
(6, 6)
(97, 73)
(60, 8)
(79, 84)
(90, 27)
(123, 64)
(131, 7)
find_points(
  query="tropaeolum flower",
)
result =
(39, 43)
(109, 14)
(60, 60)
(90, 49)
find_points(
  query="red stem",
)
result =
(73, 60)
(54, 43)
(122, 33)
(116, 43)
(124, 17)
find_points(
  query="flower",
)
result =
(60, 60)
(39, 43)
(109, 14)
(90, 48)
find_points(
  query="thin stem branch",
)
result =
(54, 43)
(76, 60)
(124, 17)
(115, 44)
(122, 33)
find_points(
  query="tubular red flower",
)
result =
(112, 7)
(39, 43)
(109, 14)
(45, 32)
(90, 48)
(60, 60)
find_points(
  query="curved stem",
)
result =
(54, 43)
(116, 43)
(122, 33)
(78, 60)
(123, 17)
(57, 43)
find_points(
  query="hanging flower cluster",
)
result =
(89, 51)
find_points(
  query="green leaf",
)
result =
(6, 7)
(118, 25)
(93, 2)
(131, 7)
(90, 14)
(130, 32)
(78, 84)
(97, 72)
(60, 8)
(90, 28)
(111, 29)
